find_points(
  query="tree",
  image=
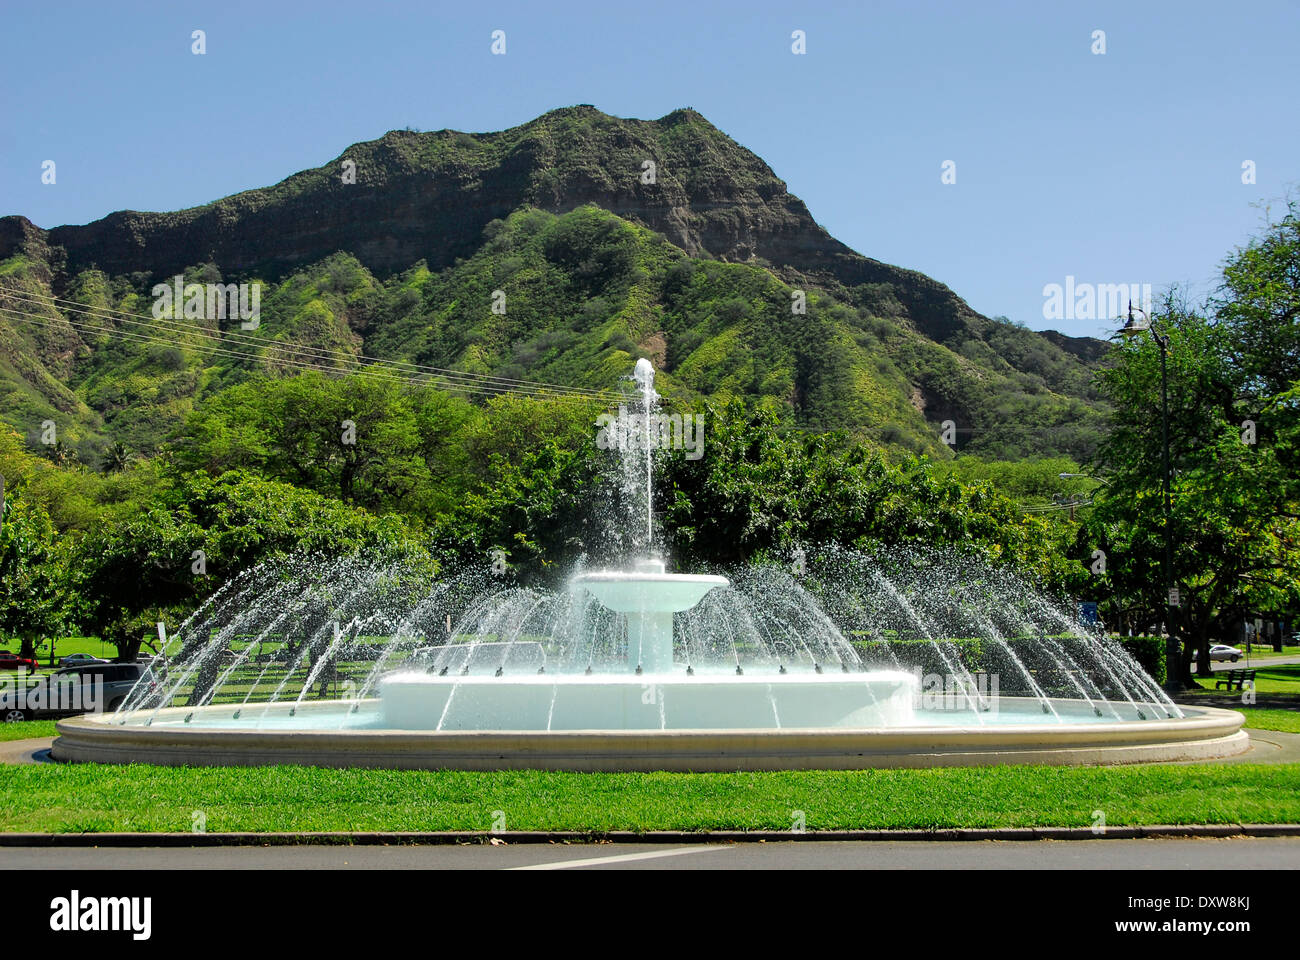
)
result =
(117, 458)
(35, 596)
(373, 443)
(1234, 410)
(161, 563)
(763, 488)
(60, 453)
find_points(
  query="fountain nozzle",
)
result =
(500, 671)
(638, 670)
(817, 667)
(690, 671)
(739, 672)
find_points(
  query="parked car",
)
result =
(11, 661)
(76, 690)
(1221, 651)
(79, 660)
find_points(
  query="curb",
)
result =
(342, 838)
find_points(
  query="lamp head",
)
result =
(1135, 325)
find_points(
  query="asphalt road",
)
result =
(1257, 662)
(1233, 853)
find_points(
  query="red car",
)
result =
(11, 661)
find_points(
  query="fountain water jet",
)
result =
(775, 672)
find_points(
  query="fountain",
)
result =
(852, 663)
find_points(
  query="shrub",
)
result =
(1149, 652)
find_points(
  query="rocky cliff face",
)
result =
(429, 195)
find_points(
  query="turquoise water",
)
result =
(368, 717)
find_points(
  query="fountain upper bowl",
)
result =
(640, 592)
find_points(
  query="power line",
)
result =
(455, 379)
(368, 371)
(138, 318)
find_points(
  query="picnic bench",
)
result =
(1235, 680)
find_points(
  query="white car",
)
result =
(1221, 651)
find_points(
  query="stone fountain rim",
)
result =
(1208, 733)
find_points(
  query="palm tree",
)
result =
(117, 458)
(61, 453)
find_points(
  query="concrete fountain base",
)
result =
(1205, 733)
(649, 702)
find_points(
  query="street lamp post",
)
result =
(1173, 655)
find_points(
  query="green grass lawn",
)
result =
(65, 647)
(1283, 678)
(93, 798)
(1258, 651)
(99, 797)
(1287, 721)
(26, 729)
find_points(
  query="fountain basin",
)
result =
(331, 734)
(674, 701)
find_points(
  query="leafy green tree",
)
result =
(1036, 482)
(161, 563)
(370, 442)
(763, 488)
(534, 485)
(36, 601)
(1234, 438)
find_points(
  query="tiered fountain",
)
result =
(847, 666)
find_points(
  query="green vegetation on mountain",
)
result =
(698, 270)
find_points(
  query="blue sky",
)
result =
(1124, 167)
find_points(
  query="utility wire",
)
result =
(367, 371)
(309, 356)
(453, 378)
(137, 318)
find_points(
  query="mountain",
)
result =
(698, 269)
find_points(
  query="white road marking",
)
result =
(621, 858)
